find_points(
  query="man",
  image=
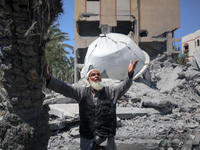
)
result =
(97, 107)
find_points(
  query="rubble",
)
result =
(171, 99)
(161, 115)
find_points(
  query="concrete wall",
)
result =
(191, 42)
(93, 7)
(158, 17)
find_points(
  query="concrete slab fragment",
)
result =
(131, 112)
(169, 80)
(57, 125)
(197, 56)
(65, 111)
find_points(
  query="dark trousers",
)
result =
(97, 147)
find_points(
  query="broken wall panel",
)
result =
(93, 8)
(108, 12)
(158, 17)
(123, 10)
(133, 10)
(80, 8)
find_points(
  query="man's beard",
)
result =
(96, 85)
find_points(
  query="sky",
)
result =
(189, 21)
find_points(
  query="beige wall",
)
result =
(155, 16)
(108, 12)
(159, 16)
(93, 7)
(123, 10)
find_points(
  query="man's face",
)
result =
(95, 80)
(94, 76)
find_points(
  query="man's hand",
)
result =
(132, 66)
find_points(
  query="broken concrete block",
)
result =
(187, 145)
(161, 103)
(197, 56)
(56, 125)
(69, 112)
(196, 139)
(74, 131)
(66, 112)
(131, 112)
(170, 80)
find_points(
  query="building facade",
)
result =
(191, 43)
(150, 23)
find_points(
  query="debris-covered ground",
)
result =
(174, 91)
(171, 90)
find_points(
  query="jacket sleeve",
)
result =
(122, 88)
(65, 89)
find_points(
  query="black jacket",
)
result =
(100, 119)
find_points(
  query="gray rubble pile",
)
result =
(160, 112)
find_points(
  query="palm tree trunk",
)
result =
(22, 26)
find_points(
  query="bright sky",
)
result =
(190, 19)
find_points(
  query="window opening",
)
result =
(186, 47)
(123, 27)
(88, 28)
(81, 52)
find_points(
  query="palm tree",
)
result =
(70, 70)
(23, 24)
(56, 55)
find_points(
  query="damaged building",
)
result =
(191, 44)
(151, 24)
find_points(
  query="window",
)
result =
(88, 28)
(143, 33)
(198, 42)
(81, 52)
(92, 0)
(186, 47)
(123, 27)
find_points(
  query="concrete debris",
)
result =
(69, 112)
(197, 57)
(163, 114)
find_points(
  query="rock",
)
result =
(196, 140)
(66, 112)
(131, 112)
(169, 80)
(69, 112)
(197, 57)
(74, 131)
(158, 103)
(187, 145)
(57, 125)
